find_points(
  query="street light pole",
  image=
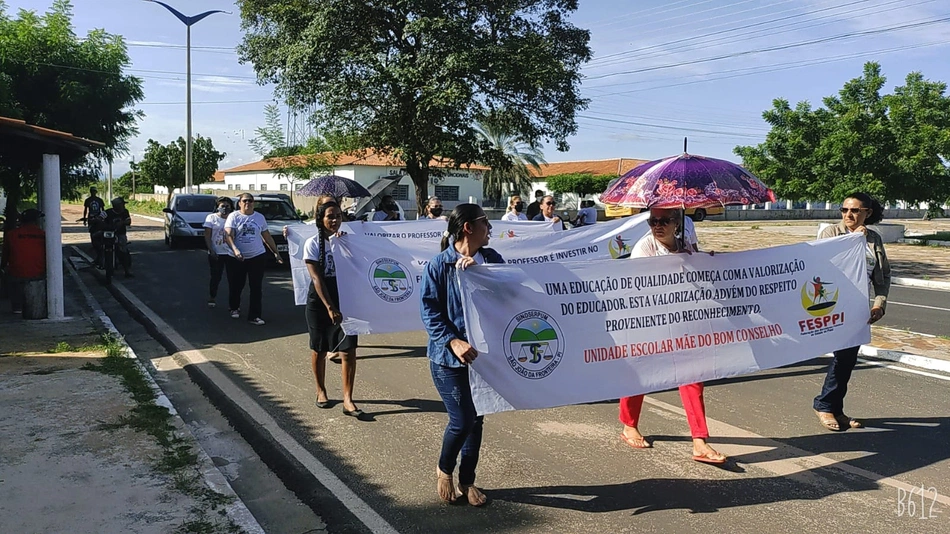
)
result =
(188, 21)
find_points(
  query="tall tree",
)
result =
(50, 77)
(164, 165)
(412, 77)
(509, 160)
(292, 163)
(893, 146)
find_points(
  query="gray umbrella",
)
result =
(335, 186)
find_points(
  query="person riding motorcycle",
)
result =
(93, 214)
(118, 219)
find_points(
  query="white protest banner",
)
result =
(382, 276)
(566, 333)
(423, 236)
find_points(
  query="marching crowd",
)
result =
(238, 243)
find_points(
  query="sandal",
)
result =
(828, 421)
(710, 457)
(474, 495)
(446, 487)
(849, 421)
(636, 443)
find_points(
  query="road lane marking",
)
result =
(919, 306)
(357, 506)
(904, 369)
(782, 459)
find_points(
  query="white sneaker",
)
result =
(235, 314)
(258, 321)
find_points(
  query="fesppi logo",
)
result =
(618, 246)
(390, 280)
(535, 344)
(817, 298)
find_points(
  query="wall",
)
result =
(776, 214)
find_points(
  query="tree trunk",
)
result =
(419, 173)
(168, 198)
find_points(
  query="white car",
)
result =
(185, 217)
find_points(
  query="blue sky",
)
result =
(653, 79)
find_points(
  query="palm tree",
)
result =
(509, 159)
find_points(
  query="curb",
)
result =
(237, 511)
(149, 218)
(917, 282)
(906, 358)
(928, 242)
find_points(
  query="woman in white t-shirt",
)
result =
(245, 231)
(324, 319)
(665, 226)
(218, 249)
(515, 210)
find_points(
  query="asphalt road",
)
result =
(920, 310)
(565, 469)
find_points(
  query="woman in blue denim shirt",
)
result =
(463, 245)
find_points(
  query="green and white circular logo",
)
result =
(390, 280)
(535, 344)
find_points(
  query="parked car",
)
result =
(278, 212)
(697, 214)
(185, 217)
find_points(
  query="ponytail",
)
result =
(463, 213)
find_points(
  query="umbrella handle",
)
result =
(684, 145)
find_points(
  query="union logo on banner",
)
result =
(618, 247)
(816, 297)
(390, 280)
(819, 302)
(535, 344)
(507, 234)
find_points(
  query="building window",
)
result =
(250, 187)
(447, 193)
(402, 192)
(283, 187)
(230, 186)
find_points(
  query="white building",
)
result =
(452, 186)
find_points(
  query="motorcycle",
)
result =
(105, 242)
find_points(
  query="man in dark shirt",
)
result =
(535, 207)
(93, 213)
(118, 219)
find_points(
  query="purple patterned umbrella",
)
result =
(335, 186)
(687, 181)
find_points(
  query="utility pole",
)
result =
(132, 167)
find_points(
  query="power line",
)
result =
(839, 37)
(84, 69)
(597, 61)
(204, 102)
(674, 128)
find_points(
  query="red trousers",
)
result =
(692, 396)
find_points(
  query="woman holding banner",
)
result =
(323, 312)
(463, 245)
(857, 211)
(665, 225)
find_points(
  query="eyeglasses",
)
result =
(484, 218)
(550, 204)
(661, 221)
(852, 210)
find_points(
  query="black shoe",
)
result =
(359, 414)
(323, 405)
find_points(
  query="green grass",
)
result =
(179, 459)
(145, 207)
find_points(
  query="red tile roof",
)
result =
(369, 158)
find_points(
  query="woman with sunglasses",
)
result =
(324, 320)
(463, 245)
(857, 211)
(246, 233)
(665, 229)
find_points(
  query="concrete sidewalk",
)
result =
(85, 450)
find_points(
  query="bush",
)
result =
(145, 207)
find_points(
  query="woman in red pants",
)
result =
(665, 238)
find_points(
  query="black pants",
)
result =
(831, 398)
(252, 270)
(216, 264)
(122, 251)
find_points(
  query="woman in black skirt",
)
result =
(323, 312)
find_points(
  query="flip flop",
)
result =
(636, 443)
(850, 421)
(713, 458)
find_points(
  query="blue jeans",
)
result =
(464, 431)
(831, 398)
